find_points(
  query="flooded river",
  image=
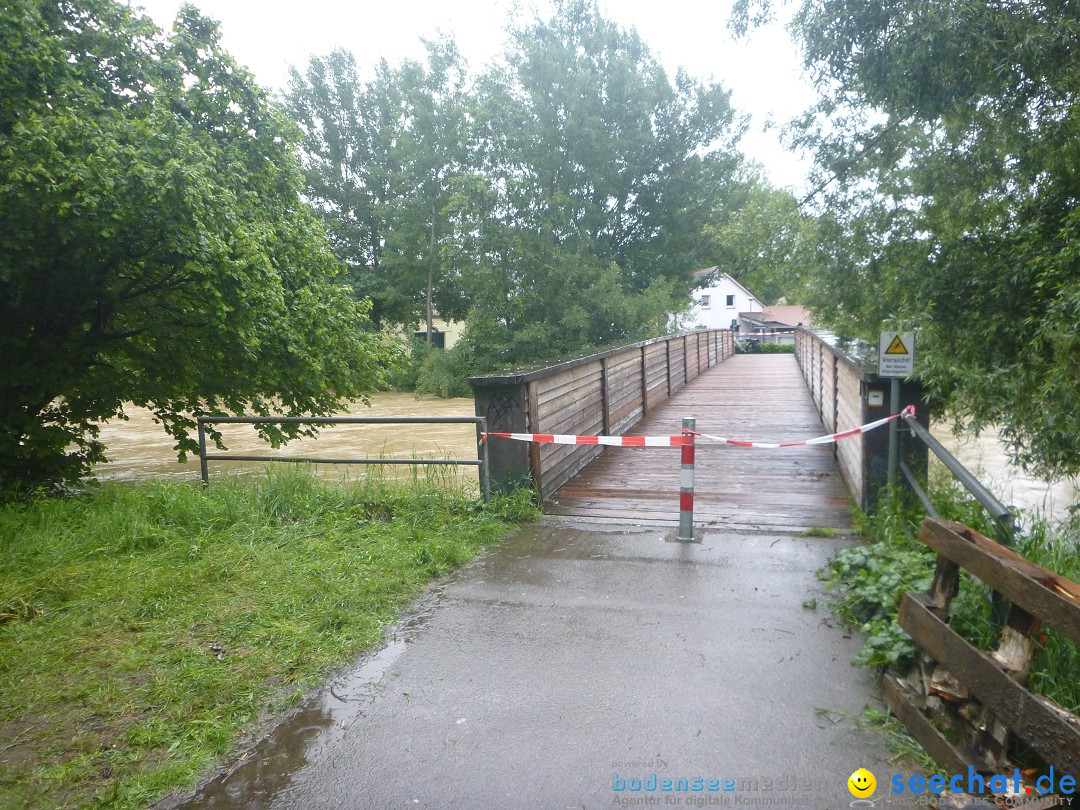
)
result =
(986, 458)
(140, 448)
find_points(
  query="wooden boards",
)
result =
(757, 397)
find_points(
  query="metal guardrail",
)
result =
(481, 461)
(1004, 524)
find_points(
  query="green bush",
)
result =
(758, 347)
(873, 578)
(445, 372)
(777, 348)
(404, 374)
(442, 372)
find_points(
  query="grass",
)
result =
(819, 531)
(904, 747)
(145, 629)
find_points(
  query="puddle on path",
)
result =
(322, 722)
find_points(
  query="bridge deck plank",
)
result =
(755, 397)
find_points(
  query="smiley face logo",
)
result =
(861, 783)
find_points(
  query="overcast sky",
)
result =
(764, 72)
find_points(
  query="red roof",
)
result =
(790, 315)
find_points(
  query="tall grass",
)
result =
(144, 628)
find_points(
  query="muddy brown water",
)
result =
(139, 448)
(985, 456)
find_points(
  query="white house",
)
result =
(722, 303)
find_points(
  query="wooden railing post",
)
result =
(835, 397)
(505, 405)
(667, 346)
(644, 381)
(605, 404)
(533, 413)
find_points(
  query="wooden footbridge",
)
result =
(646, 389)
(748, 396)
(584, 665)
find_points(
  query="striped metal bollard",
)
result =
(686, 482)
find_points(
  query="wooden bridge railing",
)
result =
(848, 392)
(964, 704)
(601, 394)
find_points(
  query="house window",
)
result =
(731, 302)
(438, 339)
(704, 302)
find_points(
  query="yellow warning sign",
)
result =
(896, 354)
(897, 346)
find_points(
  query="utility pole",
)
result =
(431, 273)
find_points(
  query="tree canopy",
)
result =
(557, 201)
(946, 140)
(380, 157)
(154, 247)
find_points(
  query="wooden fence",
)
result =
(602, 394)
(964, 704)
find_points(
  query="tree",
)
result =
(595, 147)
(594, 178)
(559, 202)
(153, 245)
(947, 142)
(379, 158)
(761, 240)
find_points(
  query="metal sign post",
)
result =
(894, 436)
(896, 359)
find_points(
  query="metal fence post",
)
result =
(485, 471)
(202, 454)
(686, 482)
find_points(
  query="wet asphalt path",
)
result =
(569, 659)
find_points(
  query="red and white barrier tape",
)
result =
(831, 438)
(682, 441)
(611, 441)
